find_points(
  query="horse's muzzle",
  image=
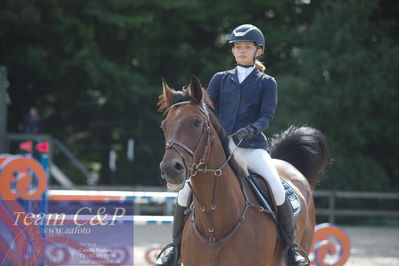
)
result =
(173, 171)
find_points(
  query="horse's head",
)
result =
(186, 129)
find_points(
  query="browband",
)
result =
(201, 108)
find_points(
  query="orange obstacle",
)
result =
(331, 246)
(20, 178)
(25, 169)
(30, 234)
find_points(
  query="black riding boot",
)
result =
(295, 255)
(173, 258)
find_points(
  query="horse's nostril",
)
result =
(171, 168)
(178, 166)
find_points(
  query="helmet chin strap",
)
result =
(259, 56)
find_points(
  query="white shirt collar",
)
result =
(243, 72)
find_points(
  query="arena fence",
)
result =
(332, 210)
(162, 202)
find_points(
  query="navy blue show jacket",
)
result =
(236, 105)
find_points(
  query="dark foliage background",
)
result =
(94, 70)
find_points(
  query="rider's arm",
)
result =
(213, 90)
(268, 105)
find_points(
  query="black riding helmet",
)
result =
(248, 33)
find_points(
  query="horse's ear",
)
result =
(166, 98)
(196, 90)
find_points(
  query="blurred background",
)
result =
(93, 72)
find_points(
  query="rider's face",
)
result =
(244, 53)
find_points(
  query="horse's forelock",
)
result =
(178, 96)
(181, 96)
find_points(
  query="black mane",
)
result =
(181, 96)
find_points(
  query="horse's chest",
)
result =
(252, 245)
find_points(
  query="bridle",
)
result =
(195, 167)
(201, 166)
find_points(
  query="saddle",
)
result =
(263, 192)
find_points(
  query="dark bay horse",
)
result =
(227, 226)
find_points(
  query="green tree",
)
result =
(94, 68)
(349, 62)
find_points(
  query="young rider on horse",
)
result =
(245, 101)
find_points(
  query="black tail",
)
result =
(304, 147)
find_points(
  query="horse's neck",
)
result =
(228, 201)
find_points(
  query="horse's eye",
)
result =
(197, 122)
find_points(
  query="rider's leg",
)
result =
(295, 255)
(172, 258)
(260, 162)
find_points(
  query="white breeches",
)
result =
(258, 161)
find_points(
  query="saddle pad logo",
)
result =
(292, 197)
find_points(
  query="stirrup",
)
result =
(297, 248)
(175, 255)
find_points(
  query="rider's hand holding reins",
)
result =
(246, 133)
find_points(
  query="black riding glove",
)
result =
(246, 133)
